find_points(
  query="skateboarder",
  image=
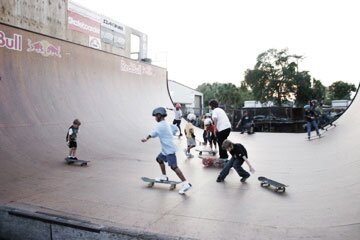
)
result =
(222, 126)
(246, 123)
(178, 116)
(239, 155)
(310, 117)
(190, 135)
(165, 132)
(71, 137)
(210, 133)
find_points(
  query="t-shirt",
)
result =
(211, 128)
(72, 134)
(238, 152)
(222, 120)
(189, 129)
(178, 114)
(165, 132)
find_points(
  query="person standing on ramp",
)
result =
(165, 132)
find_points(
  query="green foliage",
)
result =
(341, 90)
(226, 93)
(276, 78)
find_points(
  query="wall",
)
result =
(59, 19)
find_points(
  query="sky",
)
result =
(206, 41)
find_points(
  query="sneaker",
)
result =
(243, 179)
(186, 186)
(162, 178)
(219, 179)
(308, 137)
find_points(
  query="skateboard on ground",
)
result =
(210, 161)
(210, 152)
(266, 182)
(152, 181)
(76, 161)
(314, 137)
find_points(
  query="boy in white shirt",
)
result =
(222, 126)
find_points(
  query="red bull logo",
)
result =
(14, 43)
(44, 48)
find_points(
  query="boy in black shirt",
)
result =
(71, 138)
(239, 155)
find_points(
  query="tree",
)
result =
(276, 77)
(318, 90)
(341, 90)
(226, 93)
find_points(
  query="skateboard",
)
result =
(152, 181)
(266, 182)
(211, 152)
(329, 126)
(77, 161)
(212, 161)
(314, 137)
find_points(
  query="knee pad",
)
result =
(174, 167)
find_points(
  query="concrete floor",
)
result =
(115, 106)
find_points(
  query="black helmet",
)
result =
(159, 110)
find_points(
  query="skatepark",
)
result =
(41, 197)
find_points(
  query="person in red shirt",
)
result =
(210, 132)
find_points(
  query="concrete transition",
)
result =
(45, 83)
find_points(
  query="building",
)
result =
(192, 101)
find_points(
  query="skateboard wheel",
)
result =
(151, 184)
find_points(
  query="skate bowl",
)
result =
(43, 89)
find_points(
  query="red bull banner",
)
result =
(44, 48)
(13, 42)
(12, 39)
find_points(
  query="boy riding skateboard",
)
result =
(165, 132)
(71, 137)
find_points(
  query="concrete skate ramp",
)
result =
(113, 97)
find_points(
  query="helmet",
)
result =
(191, 117)
(207, 121)
(159, 110)
(307, 107)
(207, 114)
(178, 105)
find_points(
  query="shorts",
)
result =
(72, 144)
(191, 142)
(170, 159)
(176, 122)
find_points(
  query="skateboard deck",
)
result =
(210, 152)
(329, 126)
(209, 161)
(151, 182)
(314, 137)
(266, 182)
(76, 161)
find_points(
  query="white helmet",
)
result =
(207, 121)
(191, 117)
